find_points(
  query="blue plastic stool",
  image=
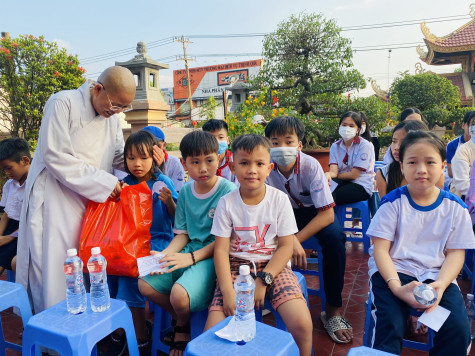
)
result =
(268, 341)
(13, 295)
(279, 323)
(69, 334)
(366, 351)
(312, 243)
(344, 215)
(162, 325)
(467, 269)
(10, 276)
(369, 325)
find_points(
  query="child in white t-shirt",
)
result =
(255, 225)
(420, 234)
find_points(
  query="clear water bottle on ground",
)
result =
(425, 294)
(471, 314)
(76, 300)
(100, 298)
(245, 316)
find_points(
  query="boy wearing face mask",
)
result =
(219, 129)
(302, 178)
(462, 161)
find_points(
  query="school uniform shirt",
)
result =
(384, 172)
(195, 213)
(76, 150)
(12, 198)
(175, 171)
(470, 197)
(360, 155)
(253, 229)
(307, 185)
(420, 234)
(461, 163)
(388, 158)
(452, 148)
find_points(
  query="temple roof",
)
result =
(461, 81)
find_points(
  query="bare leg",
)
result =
(296, 317)
(180, 302)
(14, 264)
(214, 317)
(162, 300)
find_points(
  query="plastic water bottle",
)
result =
(100, 298)
(76, 300)
(425, 294)
(245, 316)
(471, 314)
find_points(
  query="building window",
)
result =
(152, 80)
(137, 79)
(238, 98)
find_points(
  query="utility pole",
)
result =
(184, 41)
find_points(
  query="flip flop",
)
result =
(333, 324)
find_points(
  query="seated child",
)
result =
(141, 167)
(15, 160)
(254, 225)
(189, 283)
(173, 167)
(219, 129)
(302, 179)
(420, 234)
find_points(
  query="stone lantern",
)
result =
(149, 106)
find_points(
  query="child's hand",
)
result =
(158, 155)
(299, 258)
(165, 196)
(405, 294)
(156, 273)
(259, 294)
(229, 303)
(6, 240)
(329, 178)
(177, 260)
(440, 289)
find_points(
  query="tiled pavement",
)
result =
(354, 297)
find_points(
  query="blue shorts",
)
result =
(198, 280)
(126, 289)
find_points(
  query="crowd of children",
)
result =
(257, 205)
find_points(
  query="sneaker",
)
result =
(117, 346)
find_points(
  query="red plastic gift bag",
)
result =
(121, 228)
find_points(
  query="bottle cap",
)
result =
(470, 296)
(95, 250)
(244, 270)
(72, 252)
(428, 294)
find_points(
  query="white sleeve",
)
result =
(461, 175)
(222, 222)
(461, 234)
(384, 222)
(387, 156)
(286, 224)
(5, 191)
(60, 158)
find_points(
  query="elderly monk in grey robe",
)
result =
(80, 141)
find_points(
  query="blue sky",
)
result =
(92, 28)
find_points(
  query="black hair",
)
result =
(249, 142)
(143, 141)
(469, 115)
(366, 134)
(285, 125)
(395, 176)
(355, 116)
(213, 125)
(13, 149)
(414, 137)
(409, 111)
(198, 143)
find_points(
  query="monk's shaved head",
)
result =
(118, 80)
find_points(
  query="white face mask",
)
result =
(471, 130)
(363, 129)
(283, 156)
(347, 132)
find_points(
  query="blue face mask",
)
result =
(223, 146)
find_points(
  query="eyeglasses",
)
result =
(115, 108)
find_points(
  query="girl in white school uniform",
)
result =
(351, 162)
(420, 234)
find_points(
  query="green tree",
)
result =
(208, 109)
(31, 70)
(305, 59)
(434, 95)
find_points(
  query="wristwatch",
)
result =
(267, 278)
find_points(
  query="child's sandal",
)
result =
(168, 337)
(180, 345)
